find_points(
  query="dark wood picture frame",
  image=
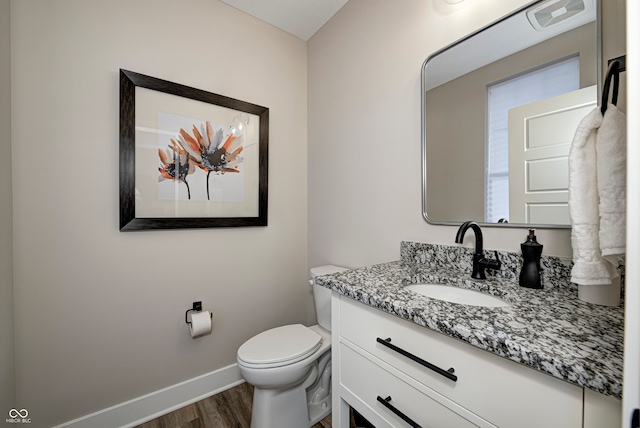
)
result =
(128, 222)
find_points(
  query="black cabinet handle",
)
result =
(407, 419)
(446, 373)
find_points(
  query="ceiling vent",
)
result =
(551, 12)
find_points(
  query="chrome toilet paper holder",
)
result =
(197, 307)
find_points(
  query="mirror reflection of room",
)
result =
(501, 109)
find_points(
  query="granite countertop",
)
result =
(549, 330)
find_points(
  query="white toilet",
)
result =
(290, 367)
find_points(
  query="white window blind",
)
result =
(555, 79)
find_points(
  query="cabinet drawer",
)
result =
(501, 391)
(366, 380)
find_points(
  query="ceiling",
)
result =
(302, 18)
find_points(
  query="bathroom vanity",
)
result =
(404, 359)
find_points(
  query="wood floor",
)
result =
(229, 409)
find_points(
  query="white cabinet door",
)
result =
(388, 401)
(492, 388)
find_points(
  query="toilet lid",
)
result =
(281, 345)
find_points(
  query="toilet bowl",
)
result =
(290, 368)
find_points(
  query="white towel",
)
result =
(589, 267)
(611, 155)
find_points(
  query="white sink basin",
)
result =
(457, 295)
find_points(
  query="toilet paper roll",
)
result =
(200, 323)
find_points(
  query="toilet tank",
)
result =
(322, 295)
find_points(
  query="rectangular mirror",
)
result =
(499, 111)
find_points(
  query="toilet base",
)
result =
(299, 406)
(319, 394)
(278, 408)
(319, 411)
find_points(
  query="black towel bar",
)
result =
(622, 63)
(615, 67)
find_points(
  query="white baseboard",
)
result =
(147, 407)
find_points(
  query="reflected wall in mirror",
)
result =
(500, 108)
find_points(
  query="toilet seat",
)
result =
(279, 346)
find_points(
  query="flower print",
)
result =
(176, 165)
(208, 151)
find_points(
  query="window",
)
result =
(556, 79)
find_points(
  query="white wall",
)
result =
(364, 129)
(99, 314)
(631, 369)
(7, 368)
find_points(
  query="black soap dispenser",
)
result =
(531, 274)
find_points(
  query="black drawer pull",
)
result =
(446, 373)
(407, 419)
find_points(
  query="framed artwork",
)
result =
(190, 158)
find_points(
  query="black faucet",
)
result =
(479, 262)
